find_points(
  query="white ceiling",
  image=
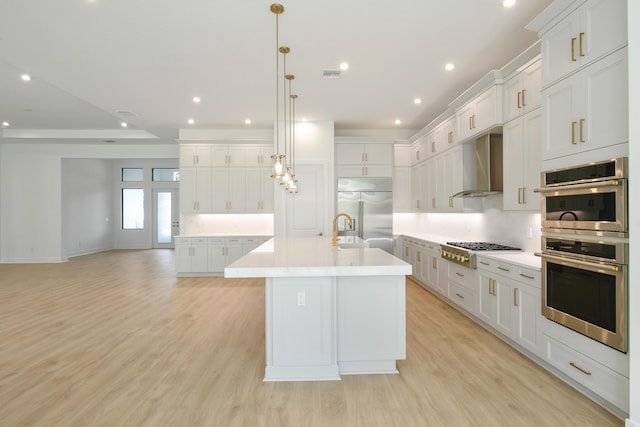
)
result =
(92, 59)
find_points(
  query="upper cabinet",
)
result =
(195, 155)
(480, 114)
(589, 109)
(359, 160)
(590, 31)
(225, 178)
(521, 93)
(228, 155)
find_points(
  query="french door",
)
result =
(166, 217)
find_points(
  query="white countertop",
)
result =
(525, 259)
(208, 234)
(314, 256)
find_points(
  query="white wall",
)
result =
(314, 146)
(87, 206)
(31, 194)
(634, 211)
(492, 225)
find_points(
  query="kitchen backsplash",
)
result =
(236, 224)
(493, 224)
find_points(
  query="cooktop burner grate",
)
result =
(482, 246)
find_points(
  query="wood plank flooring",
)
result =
(115, 339)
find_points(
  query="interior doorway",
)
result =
(166, 217)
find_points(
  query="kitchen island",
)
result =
(329, 311)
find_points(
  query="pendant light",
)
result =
(278, 159)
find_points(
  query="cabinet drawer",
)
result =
(528, 276)
(462, 276)
(462, 296)
(215, 240)
(596, 377)
(182, 240)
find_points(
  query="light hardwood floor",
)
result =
(115, 339)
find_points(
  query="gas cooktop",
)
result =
(482, 246)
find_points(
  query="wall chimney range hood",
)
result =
(486, 165)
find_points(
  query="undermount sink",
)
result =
(346, 242)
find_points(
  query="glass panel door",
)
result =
(166, 220)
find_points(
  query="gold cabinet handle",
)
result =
(459, 296)
(581, 122)
(573, 132)
(503, 269)
(483, 262)
(433, 146)
(581, 37)
(524, 193)
(515, 296)
(519, 94)
(470, 127)
(434, 263)
(459, 274)
(584, 371)
(526, 276)
(450, 137)
(523, 104)
(519, 197)
(573, 49)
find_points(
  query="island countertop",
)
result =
(314, 256)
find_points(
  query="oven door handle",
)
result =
(609, 183)
(608, 267)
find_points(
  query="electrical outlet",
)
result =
(302, 300)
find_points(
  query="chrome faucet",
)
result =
(335, 226)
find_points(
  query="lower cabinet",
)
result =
(462, 286)
(509, 301)
(191, 254)
(210, 255)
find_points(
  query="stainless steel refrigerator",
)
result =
(369, 201)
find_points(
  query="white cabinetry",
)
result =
(601, 369)
(462, 286)
(195, 190)
(521, 93)
(259, 190)
(445, 134)
(419, 187)
(589, 109)
(358, 160)
(207, 256)
(402, 178)
(259, 184)
(228, 155)
(522, 161)
(191, 254)
(195, 155)
(480, 114)
(592, 30)
(222, 252)
(509, 301)
(228, 189)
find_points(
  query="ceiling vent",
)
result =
(126, 113)
(330, 73)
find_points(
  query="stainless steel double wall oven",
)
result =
(585, 249)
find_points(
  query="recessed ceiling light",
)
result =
(417, 101)
(508, 3)
(191, 121)
(398, 121)
(196, 99)
(124, 124)
(26, 77)
(344, 66)
(6, 124)
(449, 66)
(247, 121)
